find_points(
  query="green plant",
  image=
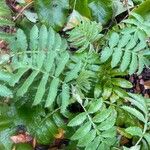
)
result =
(95, 131)
(46, 59)
(141, 112)
(73, 85)
(84, 35)
(129, 48)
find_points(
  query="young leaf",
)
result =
(23, 89)
(106, 53)
(114, 39)
(41, 89)
(134, 131)
(134, 112)
(88, 138)
(52, 92)
(100, 117)
(147, 137)
(82, 131)
(134, 64)
(110, 133)
(122, 83)
(124, 40)
(43, 35)
(79, 119)
(95, 106)
(107, 91)
(16, 77)
(34, 34)
(116, 57)
(109, 122)
(61, 64)
(94, 144)
(21, 40)
(74, 72)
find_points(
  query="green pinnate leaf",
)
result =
(134, 131)
(88, 138)
(106, 53)
(34, 35)
(135, 113)
(21, 40)
(74, 72)
(116, 57)
(121, 83)
(103, 115)
(82, 131)
(79, 119)
(125, 60)
(62, 63)
(52, 92)
(95, 106)
(109, 122)
(114, 39)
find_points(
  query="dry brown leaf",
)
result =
(147, 84)
(21, 138)
(74, 20)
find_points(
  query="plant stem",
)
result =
(74, 6)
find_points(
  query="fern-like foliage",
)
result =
(110, 83)
(43, 60)
(85, 35)
(105, 81)
(87, 75)
(138, 23)
(95, 126)
(128, 48)
(5, 20)
(140, 110)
